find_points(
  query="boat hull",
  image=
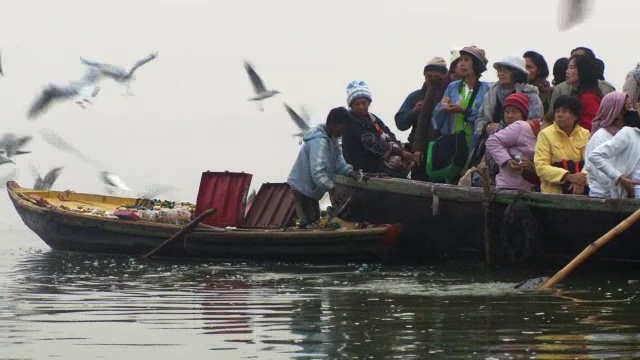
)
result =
(67, 231)
(447, 221)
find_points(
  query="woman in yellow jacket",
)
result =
(560, 150)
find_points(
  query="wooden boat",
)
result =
(447, 221)
(44, 213)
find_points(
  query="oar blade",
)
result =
(532, 284)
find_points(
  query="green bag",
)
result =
(446, 156)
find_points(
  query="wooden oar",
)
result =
(545, 283)
(188, 228)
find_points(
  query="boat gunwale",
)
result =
(475, 194)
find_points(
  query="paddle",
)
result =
(186, 229)
(545, 282)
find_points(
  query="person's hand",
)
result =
(527, 164)
(579, 179)
(406, 156)
(513, 165)
(454, 108)
(418, 157)
(491, 127)
(628, 185)
(576, 189)
(418, 106)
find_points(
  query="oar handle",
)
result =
(188, 228)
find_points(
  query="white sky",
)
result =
(190, 111)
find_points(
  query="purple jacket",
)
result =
(517, 138)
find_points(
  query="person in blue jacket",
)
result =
(319, 161)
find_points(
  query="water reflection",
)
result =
(69, 305)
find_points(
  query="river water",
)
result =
(83, 306)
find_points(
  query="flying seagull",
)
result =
(10, 144)
(47, 182)
(258, 86)
(82, 90)
(5, 160)
(301, 121)
(572, 13)
(55, 140)
(114, 181)
(119, 73)
(152, 191)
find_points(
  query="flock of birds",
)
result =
(83, 90)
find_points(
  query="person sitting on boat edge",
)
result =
(367, 143)
(619, 158)
(319, 160)
(407, 116)
(608, 121)
(510, 150)
(560, 150)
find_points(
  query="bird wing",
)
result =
(51, 177)
(49, 92)
(113, 71)
(114, 180)
(88, 91)
(299, 121)
(154, 190)
(56, 141)
(141, 62)
(5, 160)
(256, 81)
(572, 13)
(91, 75)
(22, 141)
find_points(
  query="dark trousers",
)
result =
(307, 209)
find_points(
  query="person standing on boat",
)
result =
(560, 150)
(511, 149)
(407, 116)
(319, 160)
(367, 143)
(619, 158)
(608, 121)
(538, 74)
(513, 78)
(425, 131)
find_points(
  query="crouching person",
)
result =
(319, 160)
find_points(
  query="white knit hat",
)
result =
(356, 90)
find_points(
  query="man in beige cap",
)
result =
(407, 116)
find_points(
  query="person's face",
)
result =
(531, 68)
(465, 65)
(433, 76)
(505, 77)
(336, 130)
(564, 118)
(572, 73)
(512, 114)
(360, 106)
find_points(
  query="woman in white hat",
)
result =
(512, 78)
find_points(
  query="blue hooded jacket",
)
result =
(319, 161)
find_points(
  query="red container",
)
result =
(273, 207)
(225, 191)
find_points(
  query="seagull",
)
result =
(572, 13)
(114, 181)
(153, 191)
(5, 160)
(56, 141)
(302, 122)
(258, 86)
(10, 144)
(119, 73)
(47, 182)
(82, 90)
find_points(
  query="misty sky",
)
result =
(190, 111)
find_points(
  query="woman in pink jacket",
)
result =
(512, 147)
